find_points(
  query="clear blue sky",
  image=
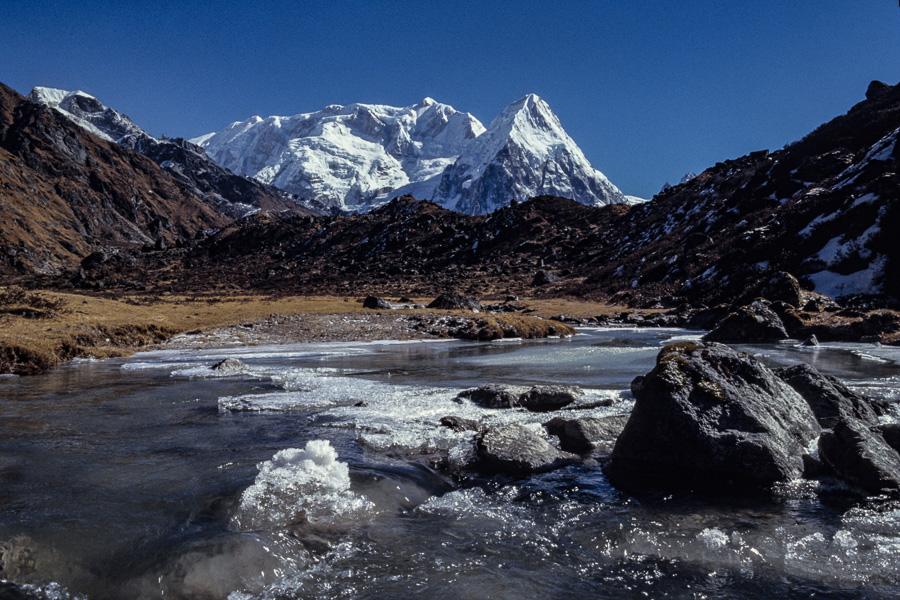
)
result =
(649, 90)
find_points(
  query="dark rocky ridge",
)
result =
(726, 236)
(65, 193)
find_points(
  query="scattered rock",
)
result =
(544, 278)
(861, 456)
(546, 398)
(829, 398)
(493, 396)
(754, 322)
(376, 303)
(230, 365)
(711, 416)
(891, 434)
(455, 302)
(516, 450)
(587, 433)
(811, 341)
(539, 398)
(459, 424)
(94, 260)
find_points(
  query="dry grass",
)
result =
(38, 330)
(34, 339)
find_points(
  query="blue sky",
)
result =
(648, 90)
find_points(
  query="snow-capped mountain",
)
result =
(183, 160)
(525, 152)
(359, 156)
(91, 114)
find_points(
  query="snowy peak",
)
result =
(91, 114)
(525, 152)
(359, 156)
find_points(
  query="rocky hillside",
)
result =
(823, 208)
(65, 193)
(181, 159)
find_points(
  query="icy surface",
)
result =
(301, 486)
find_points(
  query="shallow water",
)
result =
(155, 477)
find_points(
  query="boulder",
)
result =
(587, 433)
(459, 424)
(544, 277)
(754, 322)
(230, 365)
(375, 302)
(829, 398)
(546, 398)
(516, 450)
(783, 287)
(861, 456)
(891, 434)
(455, 302)
(710, 416)
(538, 398)
(811, 341)
(493, 396)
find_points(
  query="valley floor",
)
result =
(40, 329)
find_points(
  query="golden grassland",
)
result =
(39, 329)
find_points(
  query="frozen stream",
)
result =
(307, 476)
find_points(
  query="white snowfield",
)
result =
(359, 156)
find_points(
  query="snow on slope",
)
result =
(91, 114)
(525, 152)
(352, 156)
(359, 156)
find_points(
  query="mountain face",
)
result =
(359, 156)
(824, 209)
(185, 161)
(525, 152)
(65, 193)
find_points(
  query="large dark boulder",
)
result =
(455, 302)
(828, 397)
(587, 433)
(861, 456)
(538, 398)
(493, 396)
(546, 398)
(783, 287)
(710, 416)
(516, 450)
(754, 322)
(374, 302)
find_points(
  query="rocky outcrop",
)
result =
(587, 433)
(828, 397)
(516, 450)
(539, 398)
(861, 456)
(754, 322)
(711, 416)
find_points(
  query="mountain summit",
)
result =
(525, 152)
(359, 156)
